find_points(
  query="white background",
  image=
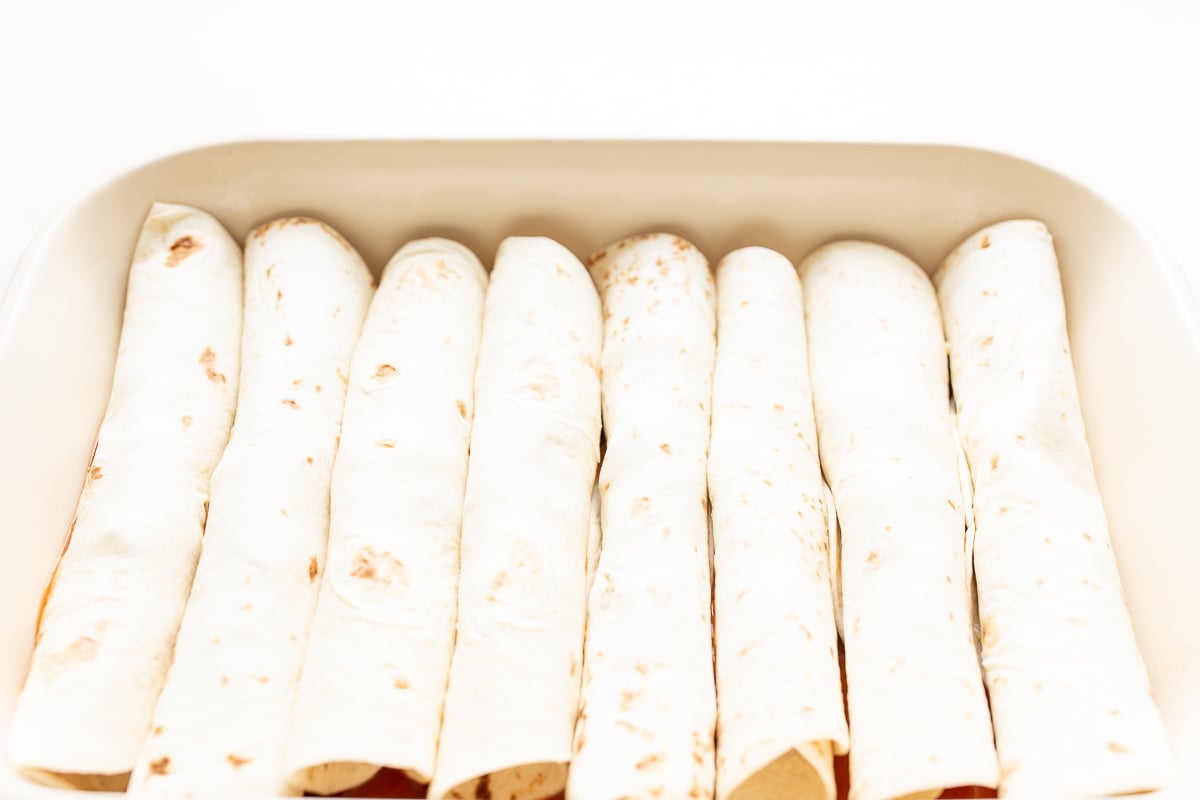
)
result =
(1107, 92)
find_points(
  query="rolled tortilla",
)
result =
(110, 620)
(780, 716)
(379, 653)
(1070, 696)
(222, 720)
(647, 720)
(514, 679)
(918, 715)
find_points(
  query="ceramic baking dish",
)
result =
(1134, 326)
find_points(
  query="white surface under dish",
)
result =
(1135, 329)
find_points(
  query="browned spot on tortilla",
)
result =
(95, 473)
(388, 443)
(872, 557)
(1020, 438)
(995, 462)
(1003, 510)
(379, 567)
(224, 680)
(290, 403)
(80, 651)
(1118, 748)
(400, 683)
(543, 389)
(237, 761)
(627, 699)
(260, 679)
(985, 242)
(666, 448)
(384, 371)
(288, 341)
(767, 482)
(158, 729)
(988, 293)
(648, 761)
(462, 408)
(205, 512)
(160, 766)
(639, 505)
(208, 360)
(186, 421)
(181, 248)
(313, 569)
(1087, 538)
(986, 343)
(597, 256)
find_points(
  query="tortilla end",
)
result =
(535, 781)
(800, 772)
(332, 777)
(79, 781)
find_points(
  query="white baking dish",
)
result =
(1135, 329)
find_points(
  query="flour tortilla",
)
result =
(779, 692)
(222, 720)
(111, 618)
(379, 653)
(647, 721)
(1070, 696)
(918, 716)
(514, 679)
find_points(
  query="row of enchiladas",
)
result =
(330, 529)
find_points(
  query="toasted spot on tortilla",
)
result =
(181, 248)
(400, 683)
(160, 766)
(208, 360)
(186, 421)
(986, 343)
(288, 341)
(384, 371)
(995, 462)
(665, 447)
(388, 443)
(80, 651)
(290, 403)
(380, 568)
(462, 408)
(985, 242)
(1086, 537)
(95, 473)
(1118, 748)
(237, 761)
(313, 569)
(648, 762)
